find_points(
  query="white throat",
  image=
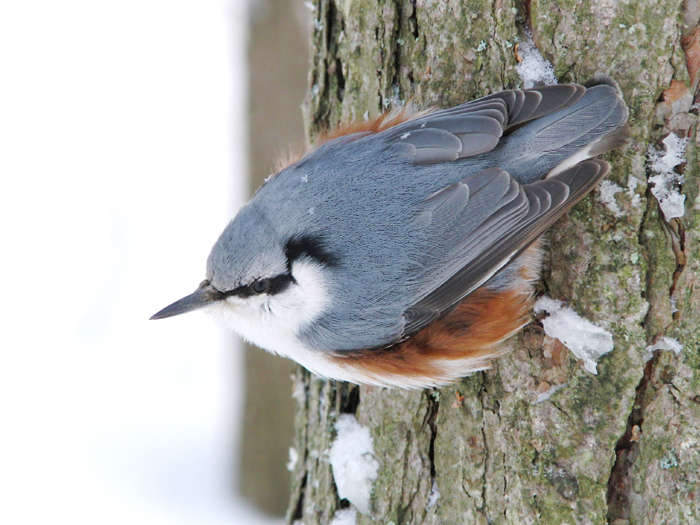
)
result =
(272, 322)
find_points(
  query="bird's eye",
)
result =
(260, 286)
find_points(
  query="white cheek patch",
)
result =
(312, 291)
(272, 321)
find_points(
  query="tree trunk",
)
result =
(277, 57)
(622, 446)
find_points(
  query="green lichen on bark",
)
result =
(370, 57)
(536, 439)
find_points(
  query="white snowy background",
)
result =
(122, 157)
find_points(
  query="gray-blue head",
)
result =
(265, 283)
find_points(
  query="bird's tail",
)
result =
(552, 144)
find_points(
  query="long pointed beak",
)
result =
(204, 296)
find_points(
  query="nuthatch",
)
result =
(402, 251)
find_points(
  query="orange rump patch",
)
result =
(471, 333)
(380, 123)
(468, 338)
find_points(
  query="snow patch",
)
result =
(293, 458)
(608, 190)
(632, 183)
(533, 68)
(353, 463)
(587, 341)
(666, 181)
(665, 343)
(434, 495)
(345, 517)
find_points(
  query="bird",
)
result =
(402, 251)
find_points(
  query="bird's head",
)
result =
(262, 283)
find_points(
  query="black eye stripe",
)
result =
(273, 285)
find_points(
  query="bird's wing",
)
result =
(486, 220)
(476, 127)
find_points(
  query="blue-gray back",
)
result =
(418, 216)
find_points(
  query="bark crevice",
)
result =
(661, 368)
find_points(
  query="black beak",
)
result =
(204, 296)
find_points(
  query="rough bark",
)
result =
(619, 447)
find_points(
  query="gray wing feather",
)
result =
(595, 114)
(476, 127)
(531, 101)
(434, 144)
(524, 105)
(520, 214)
(459, 209)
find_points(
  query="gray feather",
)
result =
(421, 214)
(546, 201)
(476, 127)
